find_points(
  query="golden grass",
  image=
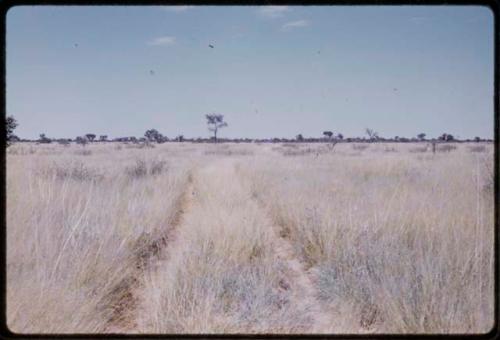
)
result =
(382, 239)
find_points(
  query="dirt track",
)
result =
(153, 252)
(125, 296)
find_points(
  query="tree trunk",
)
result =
(215, 135)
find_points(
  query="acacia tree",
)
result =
(328, 134)
(215, 122)
(153, 135)
(421, 136)
(90, 137)
(371, 134)
(10, 126)
(446, 137)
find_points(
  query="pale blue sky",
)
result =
(273, 71)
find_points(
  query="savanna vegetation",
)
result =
(250, 238)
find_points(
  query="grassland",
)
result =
(247, 238)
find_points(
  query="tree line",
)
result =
(215, 122)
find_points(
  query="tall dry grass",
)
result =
(400, 243)
(72, 229)
(393, 241)
(221, 276)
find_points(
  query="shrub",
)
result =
(228, 152)
(83, 152)
(304, 152)
(157, 167)
(290, 145)
(142, 169)
(446, 148)
(82, 140)
(63, 141)
(360, 147)
(138, 170)
(477, 148)
(419, 149)
(76, 171)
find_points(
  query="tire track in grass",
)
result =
(300, 281)
(303, 281)
(125, 296)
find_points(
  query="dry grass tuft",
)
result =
(419, 149)
(446, 148)
(83, 152)
(360, 147)
(477, 148)
(143, 168)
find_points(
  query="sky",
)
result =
(273, 71)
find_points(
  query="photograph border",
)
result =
(5, 6)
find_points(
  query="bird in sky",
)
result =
(76, 45)
(210, 45)
(151, 72)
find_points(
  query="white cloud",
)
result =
(177, 9)
(162, 41)
(273, 11)
(294, 24)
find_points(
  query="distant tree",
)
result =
(153, 136)
(340, 136)
(328, 134)
(15, 138)
(90, 137)
(82, 140)
(446, 137)
(371, 134)
(63, 141)
(10, 126)
(421, 136)
(44, 139)
(103, 138)
(477, 139)
(215, 122)
(299, 138)
(180, 138)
